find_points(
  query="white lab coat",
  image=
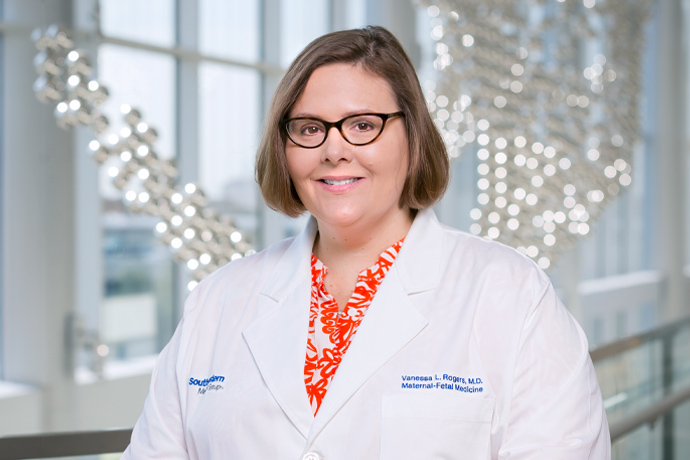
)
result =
(465, 353)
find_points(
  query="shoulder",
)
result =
(243, 275)
(501, 289)
(461, 265)
(499, 265)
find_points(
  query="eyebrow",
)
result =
(346, 114)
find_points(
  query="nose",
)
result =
(335, 148)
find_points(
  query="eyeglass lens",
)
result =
(358, 129)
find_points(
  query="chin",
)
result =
(343, 218)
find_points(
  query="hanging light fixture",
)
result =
(546, 94)
(200, 238)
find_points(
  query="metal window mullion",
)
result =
(336, 20)
(670, 100)
(89, 254)
(271, 224)
(272, 68)
(2, 195)
(187, 121)
(187, 94)
(186, 53)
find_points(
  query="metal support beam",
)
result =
(670, 102)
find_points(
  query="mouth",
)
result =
(340, 182)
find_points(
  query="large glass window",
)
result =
(301, 21)
(145, 80)
(230, 29)
(137, 313)
(139, 274)
(621, 240)
(150, 21)
(229, 120)
(355, 14)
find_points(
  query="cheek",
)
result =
(293, 165)
(402, 150)
(403, 159)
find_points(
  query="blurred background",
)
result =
(90, 291)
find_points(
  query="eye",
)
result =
(306, 128)
(310, 130)
(362, 124)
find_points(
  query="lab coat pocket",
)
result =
(428, 426)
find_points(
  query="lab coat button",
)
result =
(311, 456)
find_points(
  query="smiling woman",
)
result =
(377, 56)
(377, 332)
(349, 188)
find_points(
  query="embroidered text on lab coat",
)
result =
(442, 382)
(208, 384)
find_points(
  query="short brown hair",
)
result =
(378, 52)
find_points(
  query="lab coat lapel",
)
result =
(392, 320)
(278, 339)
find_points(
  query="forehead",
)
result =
(336, 90)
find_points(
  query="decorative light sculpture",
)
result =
(546, 92)
(200, 238)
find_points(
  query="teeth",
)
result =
(339, 182)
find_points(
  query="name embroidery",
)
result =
(442, 382)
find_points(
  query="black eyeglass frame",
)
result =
(338, 125)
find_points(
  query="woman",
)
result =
(376, 332)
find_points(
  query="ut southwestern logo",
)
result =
(208, 384)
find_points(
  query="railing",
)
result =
(645, 379)
(666, 350)
(49, 445)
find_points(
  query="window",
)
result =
(142, 288)
(137, 314)
(301, 21)
(230, 29)
(229, 121)
(152, 21)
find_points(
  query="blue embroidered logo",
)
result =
(209, 384)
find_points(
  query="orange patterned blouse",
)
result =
(327, 344)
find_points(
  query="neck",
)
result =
(360, 242)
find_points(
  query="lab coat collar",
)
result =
(278, 339)
(296, 261)
(417, 263)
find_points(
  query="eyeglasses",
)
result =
(360, 129)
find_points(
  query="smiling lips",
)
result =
(340, 182)
(339, 185)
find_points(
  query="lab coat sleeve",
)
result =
(159, 432)
(556, 409)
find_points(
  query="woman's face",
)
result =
(341, 184)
